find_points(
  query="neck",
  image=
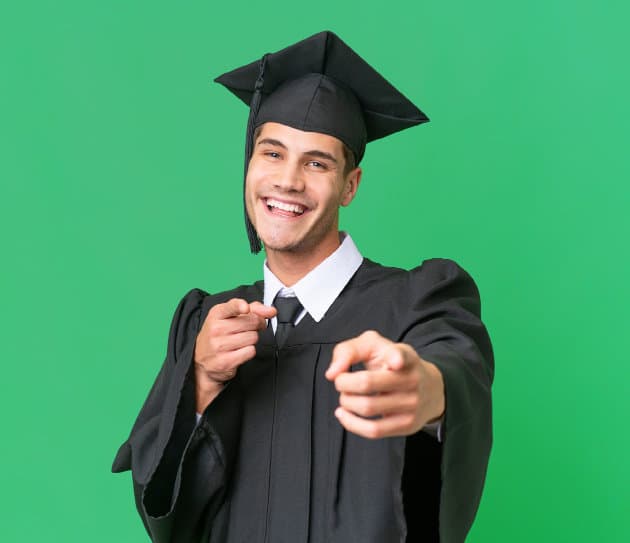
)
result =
(291, 266)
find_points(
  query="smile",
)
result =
(294, 209)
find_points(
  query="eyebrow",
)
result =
(271, 141)
(321, 154)
(313, 153)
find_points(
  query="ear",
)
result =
(352, 185)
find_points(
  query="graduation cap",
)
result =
(319, 85)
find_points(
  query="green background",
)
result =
(121, 169)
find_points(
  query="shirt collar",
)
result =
(320, 287)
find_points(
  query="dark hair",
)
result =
(350, 160)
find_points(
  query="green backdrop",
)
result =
(120, 190)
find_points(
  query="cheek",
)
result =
(252, 184)
(258, 180)
(250, 195)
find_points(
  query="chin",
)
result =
(278, 238)
(281, 245)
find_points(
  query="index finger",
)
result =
(365, 348)
(229, 309)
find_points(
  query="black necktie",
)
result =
(288, 310)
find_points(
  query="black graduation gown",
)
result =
(268, 462)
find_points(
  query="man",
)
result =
(337, 400)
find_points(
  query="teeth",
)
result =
(294, 208)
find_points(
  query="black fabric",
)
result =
(288, 310)
(321, 85)
(252, 236)
(269, 462)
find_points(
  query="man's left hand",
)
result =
(396, 395)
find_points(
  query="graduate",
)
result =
(336, 400)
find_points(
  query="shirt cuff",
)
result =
(434, 429)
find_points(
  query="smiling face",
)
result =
(295, 185)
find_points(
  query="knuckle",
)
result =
(372, 431)
(221, 366)
(367, 407)
(216, 310)
(397, 355)
(252, 338)
(408, 423)
(214, 328)
(249, 352)
(214, 346)
(364, 381)
(394, 358)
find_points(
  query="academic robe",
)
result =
(268, 462)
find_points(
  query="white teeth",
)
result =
(294, 208)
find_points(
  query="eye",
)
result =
(317, 165)
(272, 154)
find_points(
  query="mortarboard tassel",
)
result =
(254, 241)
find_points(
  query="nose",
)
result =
(290, 178)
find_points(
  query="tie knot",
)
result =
(288, 309)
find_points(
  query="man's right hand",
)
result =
(227, 339)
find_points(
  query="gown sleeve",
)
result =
(180, 468)
(446, 329)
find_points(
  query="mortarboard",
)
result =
(319, 85)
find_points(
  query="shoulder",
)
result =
(433, 278)
(440, 270)
(443, 282)
(185, 321)
(434, 270)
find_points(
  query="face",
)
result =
(295, 185)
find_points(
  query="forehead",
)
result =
(292, 138)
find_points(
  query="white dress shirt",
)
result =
(319, 288)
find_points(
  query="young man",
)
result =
(337, 400)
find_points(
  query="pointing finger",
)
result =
(232, 308)
(375, 381)
(365, 348)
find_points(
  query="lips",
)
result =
(287, 209)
